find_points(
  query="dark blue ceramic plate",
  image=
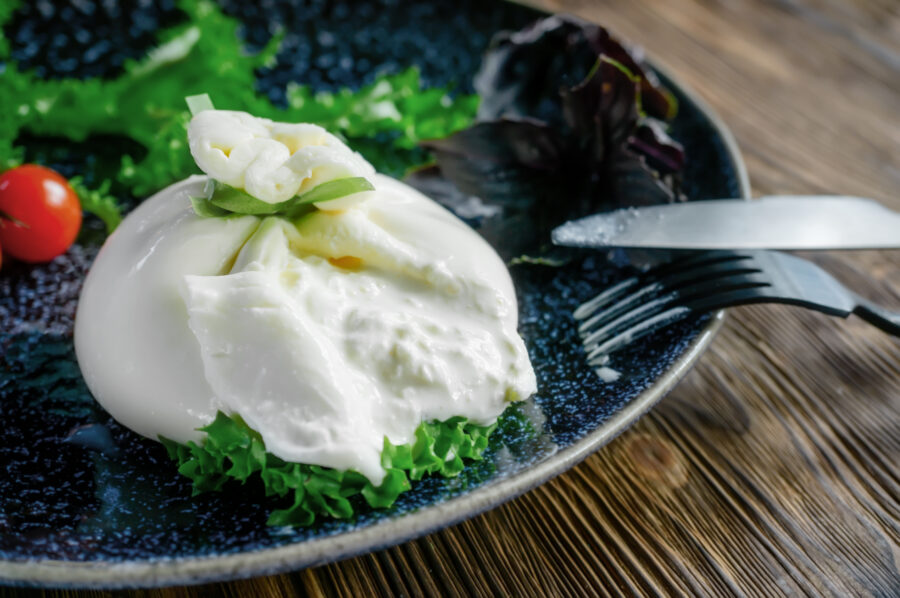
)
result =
(86, 503)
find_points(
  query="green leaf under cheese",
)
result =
(233, 452)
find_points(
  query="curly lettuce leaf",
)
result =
(233, 452)
(205, 55)
(98, 202)
(6, 12)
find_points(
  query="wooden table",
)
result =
(774, 467)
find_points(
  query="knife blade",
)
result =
(776, 222)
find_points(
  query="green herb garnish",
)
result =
(199, 103)
(206, 209)
(235, 201)
(223, 200)
(205, 54)
(98, 202)
(232, 451)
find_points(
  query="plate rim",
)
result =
(172, 571)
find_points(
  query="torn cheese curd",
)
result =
(271, 161)
(327, 333)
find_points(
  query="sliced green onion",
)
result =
(199, 103)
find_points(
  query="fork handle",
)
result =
(878, 316)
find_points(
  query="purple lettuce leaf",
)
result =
(508, 161)
(571, 122)
(523, 72)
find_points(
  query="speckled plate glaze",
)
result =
(87, 503)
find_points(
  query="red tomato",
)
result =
(39, 213)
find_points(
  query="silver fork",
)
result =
(710, 280)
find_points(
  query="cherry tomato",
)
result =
(39, 213)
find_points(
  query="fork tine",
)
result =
(687, 261)
(707, 291)
(696, 274)
(610, 294)
(695, 259)
(708, 271)
(632, 308)
(751, 293)
(611, 311)
(682, 265)
(600, 353)
(623, 321)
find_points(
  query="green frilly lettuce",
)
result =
(98, 202)
(204, 54)
(233, 452)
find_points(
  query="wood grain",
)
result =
(774, 467)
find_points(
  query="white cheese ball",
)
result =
(326, 334)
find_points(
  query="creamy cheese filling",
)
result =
(326, 334)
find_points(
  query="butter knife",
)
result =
(776, 222)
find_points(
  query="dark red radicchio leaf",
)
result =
(623, 154)
(514, 164)
(509, 161)
(550, 148)
(523, 72)
(663, 154)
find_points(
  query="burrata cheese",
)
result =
(326, 334)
